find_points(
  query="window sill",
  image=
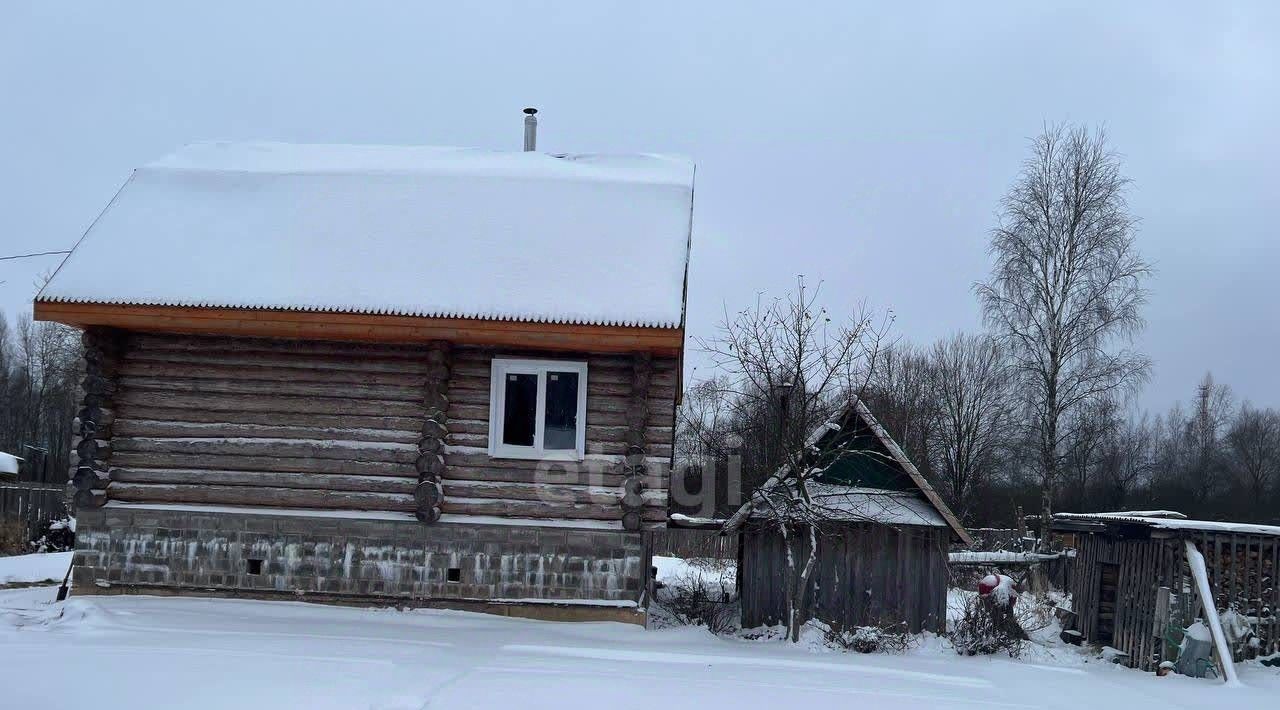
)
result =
(559, 456)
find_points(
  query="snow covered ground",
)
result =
(152, 652)
(27, 569)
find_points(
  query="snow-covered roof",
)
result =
(874, 505)
(416, 231)
(1170, 523)
(8, 463)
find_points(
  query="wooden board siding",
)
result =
(866, 575)
(1242, 572)
(310, 424)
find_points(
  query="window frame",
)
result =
(500, 367)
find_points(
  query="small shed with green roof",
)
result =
(883, 542)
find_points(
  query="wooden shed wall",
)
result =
(866, 575)
(1242, 572)
(307, 424)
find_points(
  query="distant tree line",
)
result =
(954, 408)
(39, 384)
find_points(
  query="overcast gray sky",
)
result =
(862, 146)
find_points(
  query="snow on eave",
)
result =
(1212, 526)
(9, 463)
(1165, 514)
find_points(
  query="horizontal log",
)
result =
(272, 388)
(177, 415)
(296, 371)
(267, 479)
(283, 360)
(608, 477)
(197, 343)
(280, 403)
(151, 428)
(278, 448)
(261, 463)
(259, 496)
(599, 495)
(542, 510)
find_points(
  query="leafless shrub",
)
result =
(701, 598)
(982, 631)
(886, 638)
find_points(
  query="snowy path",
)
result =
(151, 652)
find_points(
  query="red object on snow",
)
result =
(999, 585)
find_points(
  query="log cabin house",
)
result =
(883, 539)
(427, 376)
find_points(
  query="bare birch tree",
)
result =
(1067, 285)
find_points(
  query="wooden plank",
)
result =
(363, 327)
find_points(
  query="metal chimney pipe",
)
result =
(530, 129)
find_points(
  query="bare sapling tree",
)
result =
(973, 396)
(788, 369)
(1067, 286)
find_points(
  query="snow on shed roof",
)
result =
(1167, 523)
(849, 502)
(419, 231)
(8, 463)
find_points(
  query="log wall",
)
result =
(306, 424)
(867, 575)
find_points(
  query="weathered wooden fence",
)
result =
(688, 543)
(32, 504)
